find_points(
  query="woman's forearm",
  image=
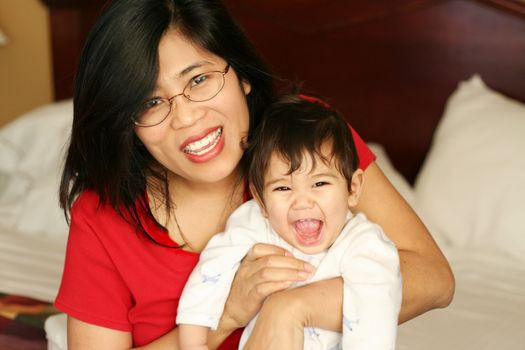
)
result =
(426, 285)
(319, 304)
(169, 340)
(428, 281)
(224, 329)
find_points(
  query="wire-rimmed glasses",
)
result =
(200, 88)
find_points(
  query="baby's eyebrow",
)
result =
(273, 181)
(324, 175)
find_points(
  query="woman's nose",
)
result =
(184, 113)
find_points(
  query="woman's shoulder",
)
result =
(87, 202)
(89, 205)
(90, 216)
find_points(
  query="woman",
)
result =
(166, 94)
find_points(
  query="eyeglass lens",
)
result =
(200, 88)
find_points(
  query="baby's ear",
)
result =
(259, 200)
(356, 187)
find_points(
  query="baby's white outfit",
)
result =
(362, 254)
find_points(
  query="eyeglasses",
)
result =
(200, 88)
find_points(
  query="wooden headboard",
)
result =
(389, 66)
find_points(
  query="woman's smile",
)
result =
(199, 145)
(201, 149)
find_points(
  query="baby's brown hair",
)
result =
(296, 125)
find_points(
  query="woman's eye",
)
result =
(198, 80)
(281, 189)
(154, 102)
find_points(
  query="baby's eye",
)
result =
(154, 102)
(321, 183)
(281, 188)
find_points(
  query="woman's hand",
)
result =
(265, 270)
(280, 324)
(285, 314)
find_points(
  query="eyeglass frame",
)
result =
(172, 98)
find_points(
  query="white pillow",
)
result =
(395, 177)
(472, 183)
(405, 189)
(31, 149)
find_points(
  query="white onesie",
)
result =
(362, 254)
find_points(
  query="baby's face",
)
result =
(307, 208)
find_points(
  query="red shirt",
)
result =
(116, 277)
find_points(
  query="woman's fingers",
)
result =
(266, 259)
(263, 290)
(265, 270)
(276, 268)
(263, 249)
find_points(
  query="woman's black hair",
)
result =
(296, 125)
(117, 71)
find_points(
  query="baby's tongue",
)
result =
(307, 227)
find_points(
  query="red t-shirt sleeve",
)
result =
(91, 289)
(365, 154)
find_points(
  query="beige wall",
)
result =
(25, 62)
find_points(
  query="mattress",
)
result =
(31, 265)
(488, 310)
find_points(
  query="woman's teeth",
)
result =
(205, 144)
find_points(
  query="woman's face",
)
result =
(200, 142)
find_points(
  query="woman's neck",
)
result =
(188, 200)
(181, 189)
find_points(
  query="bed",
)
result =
(436, 87)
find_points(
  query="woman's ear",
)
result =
(356, 187)
(259, 201)
(246, 86)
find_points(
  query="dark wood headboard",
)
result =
(389, 66)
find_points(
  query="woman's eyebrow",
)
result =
(187, 70)
(193, 66)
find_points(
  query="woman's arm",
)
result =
(428, 281)
(82, 335)
(86, 336)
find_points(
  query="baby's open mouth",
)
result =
(308, 231)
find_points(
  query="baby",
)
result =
(304, 178)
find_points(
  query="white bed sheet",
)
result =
(31, 266)
(488, 310)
